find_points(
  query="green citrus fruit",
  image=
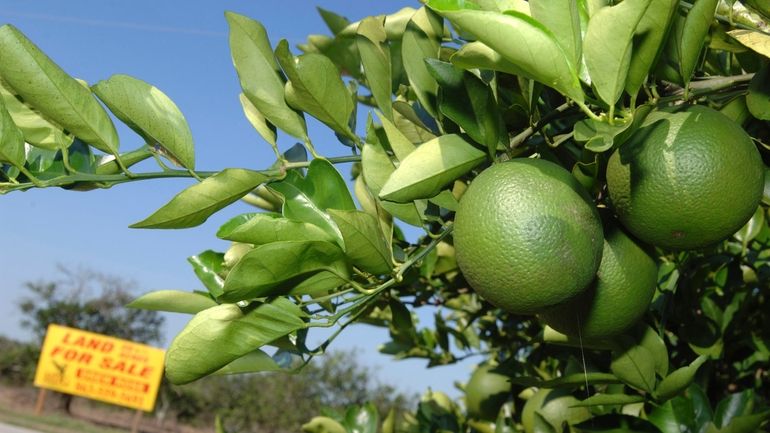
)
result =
(620, 295)
(527, 236)
(486, 392)
(686, 178)
(553, 405)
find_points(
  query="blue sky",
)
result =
(180, 47)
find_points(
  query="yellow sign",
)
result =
(103, 368)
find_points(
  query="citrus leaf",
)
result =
(336, 23)
(609, 400)
(430, 168)
(607, 46)
(733, 406)
(252, 362)
(276, 268)
(323, 424)
(316, 88)
(258, 73)
(47, 88)
(396, 140)
(757, 41)
(693, 34)
(298, 205)
(150, 113)
(470, 103)
(365, 245)
(568, 381)
(11, 139)
(221, 334)
(263, 228)
(477, 55)
(678, 380)
(194, 205)
(649, 41)
(208, 266)
(635, 366)
(562, 17)
(375, 59)
(326, 186)
(752, 228)
(758, 98)
(36, 129)
(174, 301)
(265, 129)
(377, 168)
(420, 41)
(674, 416)
(541, 58)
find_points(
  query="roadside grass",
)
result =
(53, 423)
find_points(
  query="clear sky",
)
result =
(180, 47)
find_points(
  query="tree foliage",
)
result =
(90, 301)
(451, 88)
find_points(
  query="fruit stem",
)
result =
(521, 137)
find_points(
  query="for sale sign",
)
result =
(103, 368)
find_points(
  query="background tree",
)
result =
(91, 301)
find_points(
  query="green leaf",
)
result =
(607, 46)
(365, 244)
(298, 205)
(693, 35)
(219, 335)
(609, 400)
(263, 228)
(335, 22)
(259, 76)
(646, 337)
(732, 406)
(326, 186)
(46, 87)
(752, 228)
(363, 419)
(151, 114)
(430, 168)
(36, 129)
(470, 103)
(567, 381)
(278, 267)
(758, 98)
(195, 204)
(265, 129)
(563, 17)
(11, 139)
(174, 301)
(541, 58)
(323, 424)
(635, 366)
(674, 416)
(377, 168)
(421, 40)
(746, 423)
(598, 136)
(679, 379)
(411, 124)
(396, 140)
(477, 55)
(252, 362)
(208, 267)
(757, 41)
(375, 59)
(649, 41)
(316, 88)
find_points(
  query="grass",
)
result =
(53, 423)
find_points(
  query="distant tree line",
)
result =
(95, 302)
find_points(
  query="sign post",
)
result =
(99, 367)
